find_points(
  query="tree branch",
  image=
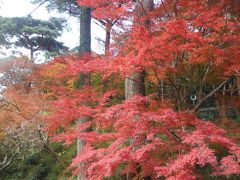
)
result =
(7, 163)
(199, 103)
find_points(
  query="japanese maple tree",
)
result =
(145, 137)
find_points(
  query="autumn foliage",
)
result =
(148, 136)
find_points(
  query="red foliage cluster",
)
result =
(141, 137)
(145, 139)
(107, 9)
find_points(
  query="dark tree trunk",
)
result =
(108, 27)
(85, 30)
(134, 85)
(85, 47)
(32, 55)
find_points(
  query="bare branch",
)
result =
(199, 103)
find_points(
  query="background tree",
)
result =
(25, 149)
(33, 34)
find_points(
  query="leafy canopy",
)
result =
(146, 137)
(32, 34)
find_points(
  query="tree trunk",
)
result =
(85, 30)
(85, 47)
(108, 27)
(134, 84)
(107, 42)
(32, 56)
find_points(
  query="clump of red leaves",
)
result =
(140, 137)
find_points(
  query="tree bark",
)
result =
(108, 27)
(107, 42)
(32, 56)
(85, 47)
(134, 85)
(85, 30)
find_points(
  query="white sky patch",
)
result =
(21, 8)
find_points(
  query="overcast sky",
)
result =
(13, 8)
